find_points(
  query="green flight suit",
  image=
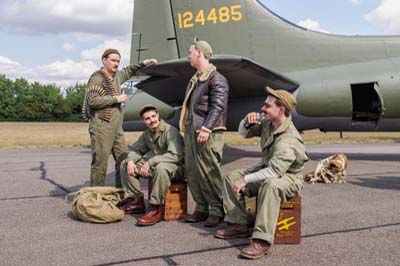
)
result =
(283, 151)
(107, 136)
(166, 162)
(202, 167)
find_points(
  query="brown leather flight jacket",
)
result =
(210, 101)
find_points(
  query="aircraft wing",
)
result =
(168, 80)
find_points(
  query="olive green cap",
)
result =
(203, 46)
(287, 99)
(110, 51)
(147, 107)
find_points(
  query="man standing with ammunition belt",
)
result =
(102, 107)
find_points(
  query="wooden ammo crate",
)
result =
(288, 227)
(175, 201)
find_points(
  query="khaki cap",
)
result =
(287, 99)
(203, 46)
(147, 107)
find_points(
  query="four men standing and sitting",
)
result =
(159, 154)
(275, 179)
(164, 164)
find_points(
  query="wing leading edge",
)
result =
(168, 80)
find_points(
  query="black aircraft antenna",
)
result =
(173, 23)
(139, 49)
(140, 46)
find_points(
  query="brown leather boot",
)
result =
(123, 202)
(153, 216)
(256, 249)
(212, 221)
(233, 231)
(134, 205)
(196, 217)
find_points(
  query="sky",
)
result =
(60, 41)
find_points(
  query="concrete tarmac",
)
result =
(357, 223)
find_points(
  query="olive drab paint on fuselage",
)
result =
(344, 83)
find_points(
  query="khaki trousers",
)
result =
(106, 138)
(270, 195)
(202, 171)
(162, 175)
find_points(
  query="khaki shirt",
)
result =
(99, 102)
(283, 150)
(165, 144)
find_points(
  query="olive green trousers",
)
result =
(162, 175)
(106, 138)
(270, 194)
(202, 171)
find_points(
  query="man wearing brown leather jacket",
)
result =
(203, 120)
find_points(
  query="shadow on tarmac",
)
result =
(168, 259)
(233, 243)
(56, 192)
(380, 182)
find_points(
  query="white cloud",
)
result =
(356, 2)
(68, 72)
(312, 25)
(386, 15)
(104, 17)
(94, 54)
(67, 69)
(62, 73)
(69, 47)
(6, 61)
(85, 21)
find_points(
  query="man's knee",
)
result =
(272, 184)
(232, 177)
(121, 158)
(160, 170)
(124, 163)
(123, 166)
(227, 180)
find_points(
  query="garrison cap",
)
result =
(110, 51)
(147, 107)
(203, 46)
(287, 99)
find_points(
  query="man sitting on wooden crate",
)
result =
(275, 179)
(166, 146)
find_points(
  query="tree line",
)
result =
(21, 100)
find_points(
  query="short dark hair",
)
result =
(147, 108)
(279, 103)
(108, 52)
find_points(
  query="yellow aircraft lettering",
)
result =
(200, 18)
(284, 224)
(223, 14)
(187, 18)
(235, 12)
(212, 16)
